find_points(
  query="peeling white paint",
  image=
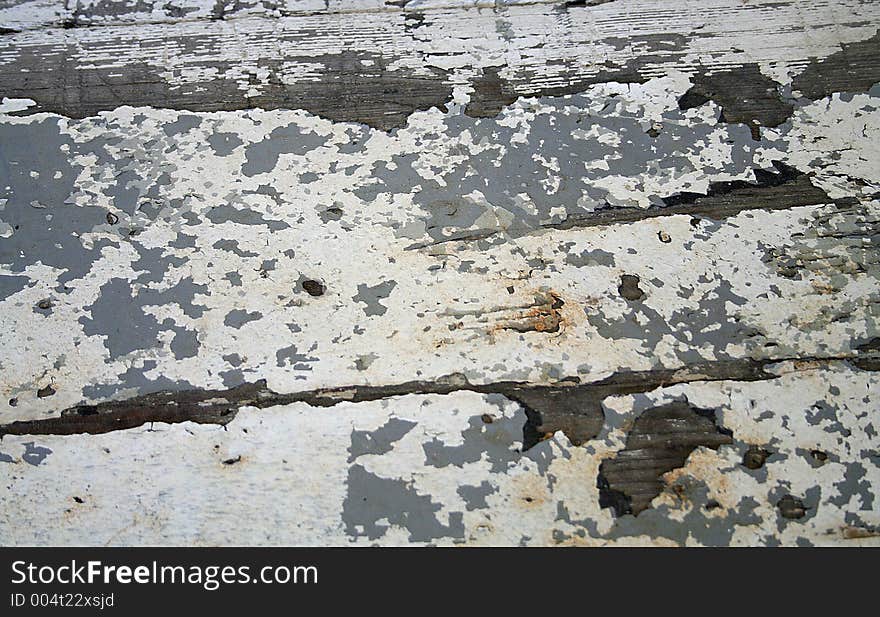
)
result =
(292, 475)
(146, 249)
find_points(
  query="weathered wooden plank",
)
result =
(378, 68)
(18, 15)
(138, 260)
(448, 470)
(641, 306)
(568, 405)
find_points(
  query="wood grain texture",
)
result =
(34, 14)
(379, 67)
(446, 470)
(661, 440)
(439, 272)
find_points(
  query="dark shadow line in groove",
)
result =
(782, 189)
(569, 406)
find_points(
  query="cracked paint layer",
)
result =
(377, 66)
(449, 469)
(157, 258)
(491, 275)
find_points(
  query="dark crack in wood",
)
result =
(569, 406)
(781, 188)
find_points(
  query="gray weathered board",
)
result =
(456, 272)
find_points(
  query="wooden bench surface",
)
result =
(439, 272)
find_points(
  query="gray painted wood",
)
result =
(530, 273)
